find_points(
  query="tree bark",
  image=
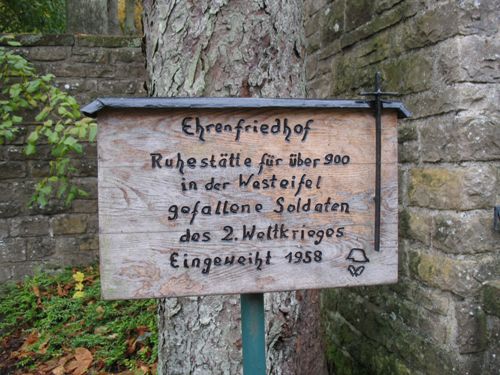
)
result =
(230, 48)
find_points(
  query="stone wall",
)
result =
(443, 56)
(88, 67)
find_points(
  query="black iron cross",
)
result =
(377, 103)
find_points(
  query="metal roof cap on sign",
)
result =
(212, 103)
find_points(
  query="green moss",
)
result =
(491, 297)
(407, 133)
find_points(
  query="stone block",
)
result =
(12, 169)
(4, 228)
(84, 206)
(407, 132)
(375, 49)
(90, 244)
(396, 308)
(328, 51)
(46, 53)
(10, 208)
(93, 224)
(311, 67)
(89, 184)
(117, 87)
(491, 297)
(462, 137)
(129, 71)
(377, 24)
(332, 25)
(107, 41)
(402, 187)
(409, 152)
(472, 335)
(432, 26)
(12, 250)
(19, 270)
(445, 273)
(40, 249)
(54, 206)
(126, 55)
(312, 7)
(470, 58)
(13, 199)
(45, 39)
(408, 74)
(38, 168)
(446, 99)
(464, 232)
(384, 5)
(16, 153)
(68, 253)
(77, 86)
(317, 88)
(90, 55)
(84, 70)
(313, 43)
(311, 25)
(29, 226)
(479, 17)
(347, 80)
(69, 224)
(491, 362)
(5, 273)
(86, 167)
(433, 300)
(90, 150)
(358, 13)
(416, 224)
(369, 335)
(462, 188)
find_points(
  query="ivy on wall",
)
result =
(58, 120)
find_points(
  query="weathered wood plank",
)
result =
(152, 219)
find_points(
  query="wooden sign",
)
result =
(206, 196)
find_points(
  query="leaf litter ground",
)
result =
(57, 324)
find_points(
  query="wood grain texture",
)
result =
(144, 213)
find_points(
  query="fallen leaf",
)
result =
(46, 367)
(36, 290)
(81, 363)
(141, 330)
(42, 349)
(60, 291)
(131, 344)
(31, 339)
(59, 370)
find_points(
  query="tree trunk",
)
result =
(230, 48)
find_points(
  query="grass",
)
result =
(59, 324)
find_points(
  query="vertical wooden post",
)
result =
(253, 334)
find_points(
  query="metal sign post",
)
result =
(253, 334)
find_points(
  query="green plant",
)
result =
(28, 16)
(58, 118)
(42, 323)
